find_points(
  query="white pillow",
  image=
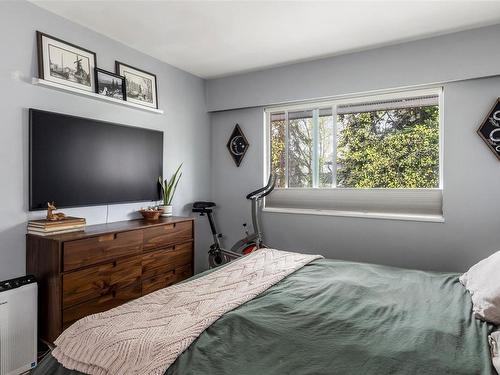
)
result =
(482, 280)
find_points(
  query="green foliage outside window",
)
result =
(278, 156)
(389, 149)
(394, 148)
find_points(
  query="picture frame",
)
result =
(237, 145)
(141, 86)
(110, 84)
(489, 131)
(65, 63)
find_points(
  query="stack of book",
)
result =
(49, 227)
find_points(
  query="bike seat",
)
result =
(203, 205)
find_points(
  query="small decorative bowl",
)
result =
(151, 214)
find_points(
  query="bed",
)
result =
(339, 317)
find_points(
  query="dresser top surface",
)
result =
(114, 227)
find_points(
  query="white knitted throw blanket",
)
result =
(145, 336)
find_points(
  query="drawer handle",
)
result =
(166, 250)
(169, 227)
(107, 237)
(105, 298)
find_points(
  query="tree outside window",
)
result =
(373, 144)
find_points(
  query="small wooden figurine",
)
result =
(51, 215)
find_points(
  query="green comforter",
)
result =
(335, 317)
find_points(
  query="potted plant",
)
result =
(168, 188)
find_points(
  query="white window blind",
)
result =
(388, 104)
(408, 204)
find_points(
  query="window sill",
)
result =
(357, 214)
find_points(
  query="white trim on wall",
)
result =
(93, 95)
(355, 214)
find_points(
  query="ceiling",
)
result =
(218, 38)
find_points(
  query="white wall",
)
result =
(471, 182)
(457, 56)
(471, 171)
(185, 123)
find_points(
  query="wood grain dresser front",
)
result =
(88, 272)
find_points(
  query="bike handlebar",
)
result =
(266, 190)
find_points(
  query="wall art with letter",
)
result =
(489, 130)
(237, 145)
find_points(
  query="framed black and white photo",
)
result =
(65, 63)
(109, 84)
(140, 85)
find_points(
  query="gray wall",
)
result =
(181, 96)
(457, 56)
(471, 171)
(471, 181)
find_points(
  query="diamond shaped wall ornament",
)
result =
(489, 130)
(237, 145)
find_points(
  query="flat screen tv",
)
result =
(77, 161)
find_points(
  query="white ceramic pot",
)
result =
(167, 211)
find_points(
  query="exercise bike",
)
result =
(217, 255)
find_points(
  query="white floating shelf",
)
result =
(88, 94)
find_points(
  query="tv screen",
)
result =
(77, 161)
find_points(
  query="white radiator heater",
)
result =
(18, 325)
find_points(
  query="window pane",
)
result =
(325, 148)
(278, 154)
(300, 149)
(389, 144)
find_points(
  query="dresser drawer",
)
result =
(168, 278)
(94, 250)
(161, 261)
(103, 303)
(158, 282)
(165, 235)
(183, 272)
(97, 281)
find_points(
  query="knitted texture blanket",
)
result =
(145, 336)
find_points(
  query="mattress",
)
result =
(337, 317)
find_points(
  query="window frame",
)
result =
(334, 103)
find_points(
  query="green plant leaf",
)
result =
(171, 186)
(160, 181)
(174, 189)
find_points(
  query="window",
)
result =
(366, 154)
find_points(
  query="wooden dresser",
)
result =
(87, 272)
